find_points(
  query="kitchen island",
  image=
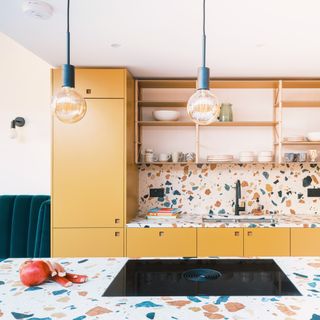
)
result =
(51, 301)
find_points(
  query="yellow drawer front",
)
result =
(161, 242)
(220, 242)
(91, 242)
(95, 83)
(305, 242)
(267, 242)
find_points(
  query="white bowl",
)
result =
(166, 115)
(246, 154)
(313, 136)
(246, 159)
(265, 154)
(265, 159)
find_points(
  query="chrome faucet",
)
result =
(238, 208)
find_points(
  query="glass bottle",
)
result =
(226, 114)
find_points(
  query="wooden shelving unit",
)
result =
(279, 103)
(215, 124)
(299, 104)
(299, 143)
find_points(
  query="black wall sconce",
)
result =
(17, 122)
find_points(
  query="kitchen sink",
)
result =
(238, 219)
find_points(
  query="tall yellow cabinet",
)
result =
(94, 178)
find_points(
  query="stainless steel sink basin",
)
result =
(238, 219)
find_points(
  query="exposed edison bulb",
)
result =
(68, 105)
(13, 133)
(203, 107)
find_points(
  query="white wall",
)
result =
(24, 91)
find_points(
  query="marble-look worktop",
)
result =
(51, 301)
(195, 220)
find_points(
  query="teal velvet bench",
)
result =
(24, 226)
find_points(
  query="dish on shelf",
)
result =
(166, 115)
(313, 136)
(265, 154)
(294, 139)
(220, 158)
(246, 154)
(246, 159)
(295, 157)
(265, 159)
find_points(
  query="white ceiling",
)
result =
(162, 38)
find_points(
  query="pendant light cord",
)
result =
(68, 33)
(204, 34)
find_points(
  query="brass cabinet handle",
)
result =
(116, 220)
(117, 234)
(88, 91)
(161, 234)
(236, 233)
(250, 233)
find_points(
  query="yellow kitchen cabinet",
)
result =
(94, 176)
(96, 83)
(305, 241)
(88, 168)
(88, 242)
(161, 242)
(266, 242)
(220, 242)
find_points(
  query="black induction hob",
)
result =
(196, 277)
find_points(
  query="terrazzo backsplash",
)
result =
(202, 188)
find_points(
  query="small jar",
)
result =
(226, 114)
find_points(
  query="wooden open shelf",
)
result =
(163, 104)
(299, 104)
(299, 143)
(214, 124)
(214, 83)
(166, 123)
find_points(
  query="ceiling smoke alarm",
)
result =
(37, 9)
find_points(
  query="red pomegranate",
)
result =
(33, 273)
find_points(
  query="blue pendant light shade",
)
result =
(68, 105)
(203, 106)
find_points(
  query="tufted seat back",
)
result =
(24, 225)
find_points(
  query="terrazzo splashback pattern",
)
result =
(203, 188)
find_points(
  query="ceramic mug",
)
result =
(313, 155)
(148, 155)
(163, 157)
(177, 156)
(190, 157)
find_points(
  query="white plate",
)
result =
(313, 136)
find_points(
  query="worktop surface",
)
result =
(51, 301)
(195, 220)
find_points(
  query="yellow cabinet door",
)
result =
(305, 241)
(220, 242)
(161, 242)
(266, 242)
(88, 242)
(95, 83)
(88, 167)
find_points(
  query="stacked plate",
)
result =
(265, 156)
(294, 139)
(220, 158)
(246, 156)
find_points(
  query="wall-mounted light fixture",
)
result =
(17, 122)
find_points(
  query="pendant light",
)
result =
(68, 105)
(203, 106)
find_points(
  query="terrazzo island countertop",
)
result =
(195, 220)
(51, 301)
